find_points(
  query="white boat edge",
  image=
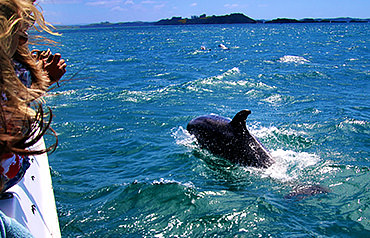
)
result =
(32, 201)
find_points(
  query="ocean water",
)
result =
(126, 166)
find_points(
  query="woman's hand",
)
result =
(55, 66)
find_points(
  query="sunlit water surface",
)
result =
(126, 166)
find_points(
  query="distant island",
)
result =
(234, 18)
(312, 20)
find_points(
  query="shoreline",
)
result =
(235, 18)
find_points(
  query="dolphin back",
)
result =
(230, 139)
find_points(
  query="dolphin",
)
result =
(304, 191)
(230, 139)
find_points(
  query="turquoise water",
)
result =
(126, 167)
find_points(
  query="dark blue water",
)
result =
(126, 167)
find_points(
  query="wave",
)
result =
(161, 74)
(354, 127)
(197, 52)
(140, 96)
(129, 59)
(274, 99)
(229, 72)
(229, 79)
(226, 80)
(230, 82)
(163, 181)
(66, 92)
(293, 59)
(354, 122)
(144, 96)
(170, 208)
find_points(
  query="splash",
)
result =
(288, 166)
(183, 137)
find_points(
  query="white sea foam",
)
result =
(142, 96)
(353, 122)
(293, 59)
(162, 74)
(224, 79)
(229, 72)
(171, 181)
(67, 92)
(274, 99)
(130, 59)
(228, 80)
(263, 132)
(196, 52)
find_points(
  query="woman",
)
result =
(21, 116)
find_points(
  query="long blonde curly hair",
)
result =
(21, 114)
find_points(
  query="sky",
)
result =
(76, 12)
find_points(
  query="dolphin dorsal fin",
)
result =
(240, 118)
